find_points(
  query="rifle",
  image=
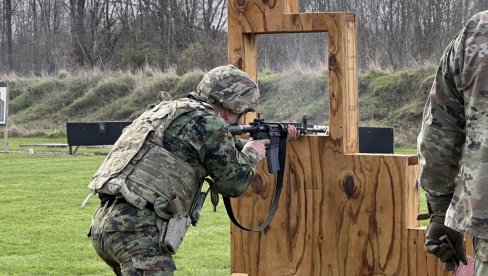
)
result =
(275, 132)
(275, 155)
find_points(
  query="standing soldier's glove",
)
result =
(445, 243)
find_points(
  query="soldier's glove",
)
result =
(446, 244)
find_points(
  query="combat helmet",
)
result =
(230, 87)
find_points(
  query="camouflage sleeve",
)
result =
(442, 135)
(231, 169)
(240, 143)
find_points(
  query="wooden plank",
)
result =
(290, 6)
(250, 18)
(325, 223)
(287, 237)
(341, 213)
(351, 102)
(258, 17)
(419, 262)
(412, 197)
(250, 63)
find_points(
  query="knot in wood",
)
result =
(241, 5)
(348, 185)
(258, 184)
(332, 62)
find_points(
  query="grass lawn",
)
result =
(43, 229)
(406, 150)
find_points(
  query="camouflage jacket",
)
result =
(452, 144)
(195, 143)
(206, 141)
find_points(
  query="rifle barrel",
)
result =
(241, 129)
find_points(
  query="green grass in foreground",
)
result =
(43, 229)
(406, 150)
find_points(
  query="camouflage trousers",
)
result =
(127, 239)
(481, 259)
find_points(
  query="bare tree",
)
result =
(77, 17)
(8, 27)
(49, 35)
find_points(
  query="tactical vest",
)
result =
(139, 169)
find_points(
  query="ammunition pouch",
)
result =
(175, 232)
(177, 226)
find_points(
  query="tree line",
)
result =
(53, 35)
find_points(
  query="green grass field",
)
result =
(43, 229)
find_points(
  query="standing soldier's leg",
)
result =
(481, 261)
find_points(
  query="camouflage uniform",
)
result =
(129, 238)
(453, 145)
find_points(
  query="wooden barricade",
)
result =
(341, 212)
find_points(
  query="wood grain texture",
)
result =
(340, 213)
(248, 18)
(420, 263)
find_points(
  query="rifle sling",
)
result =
(276, 196)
